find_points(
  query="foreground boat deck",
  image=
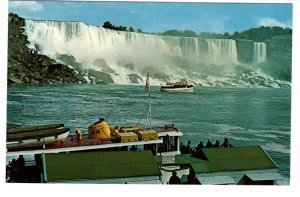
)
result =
(72, 144)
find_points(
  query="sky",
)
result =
(161, 16)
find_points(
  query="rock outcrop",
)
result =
(25, 65)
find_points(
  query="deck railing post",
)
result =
(44, 165)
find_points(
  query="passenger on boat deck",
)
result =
(174, 179)
(181, 144)
(226, 143)
(209, 144)
(13, 170)
(78, 134)
(217, 144)
(189, 147)
(21, 162)
(200, 145)
(38, 162)
(19, 169)
(133, 148)
(192, 178)
(182, 147)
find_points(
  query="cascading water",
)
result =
(168, 58)
(88, 43)
(73, 37)
(259, 52)
(222, 50)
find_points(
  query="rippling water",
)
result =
(247, 116)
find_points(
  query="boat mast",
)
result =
(147, 88)
(149, 97)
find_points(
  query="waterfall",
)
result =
(259, 52)
(94, 46)
(222, 50)
(121, 55)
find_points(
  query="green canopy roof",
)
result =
(233, 159)
(226, 159)
(100, 165)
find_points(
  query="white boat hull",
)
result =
(177, 89)
(36, 142)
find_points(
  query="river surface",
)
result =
(247, 116)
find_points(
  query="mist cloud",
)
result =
(32, 6)
(272, 22)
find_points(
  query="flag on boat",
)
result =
(147, 83)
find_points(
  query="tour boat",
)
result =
(177, 87)
(134, 155)
(127, 136)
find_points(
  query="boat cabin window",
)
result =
(170, 143)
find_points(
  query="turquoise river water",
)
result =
(247, 116)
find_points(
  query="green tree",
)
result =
(226, 35)
(189, 33)
(107, 25)
(131, 29)
(173, 32)
(235, 34)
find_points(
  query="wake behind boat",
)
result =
(177, 87)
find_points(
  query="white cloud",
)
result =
(272, 22)
(26, 5)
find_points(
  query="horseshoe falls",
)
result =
(200, 61)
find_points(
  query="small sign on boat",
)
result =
(167, 159)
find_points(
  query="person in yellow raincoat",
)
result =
(100, 130)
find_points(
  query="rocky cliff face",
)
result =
(27, 66)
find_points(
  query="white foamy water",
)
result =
(276, 148)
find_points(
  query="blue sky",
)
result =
(159, 17)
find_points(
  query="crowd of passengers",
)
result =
(189, 179)
(17, 172)
(190, 149)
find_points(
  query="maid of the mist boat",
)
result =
(177, 87)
